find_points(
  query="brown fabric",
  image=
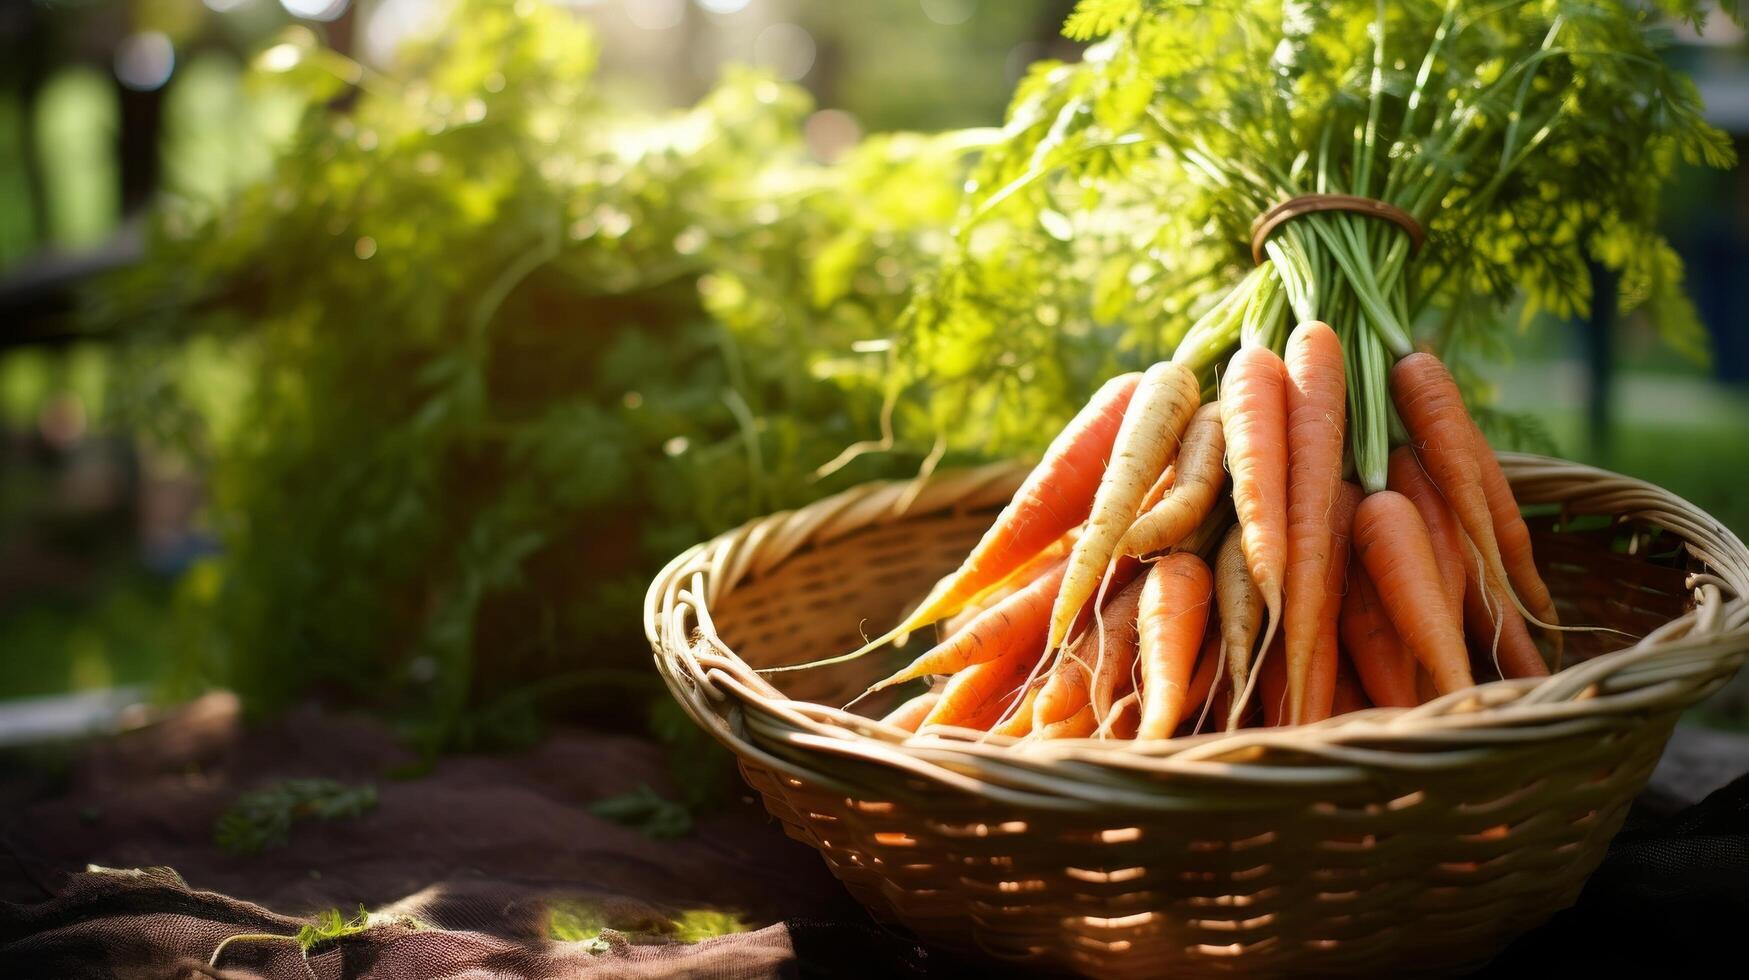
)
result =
(480, 851)
(137, 926)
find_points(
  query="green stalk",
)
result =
(1369, 404)
(1219, 329)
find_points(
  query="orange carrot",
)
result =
(1066, 687)
(1515, 654)
(1056, 497)
(1433, 411)
(1078, 725)
(971, 693)
(1254, 419)
(1393, 545)
(1201, 693)
(1349, 695)
(1321, 678)
(1425, 688)
(1165, 399)
(1031, 569)
(1162, 486)
(1317, 403)
(1241, 607)
(1019, 721)
(1208, 665)
(992, 712)
(1198, 477)
(1123, 571)
(1408, 478)
(1125, 715)
(1121, 574)
(1514, 539)
(1272, 683)
(1014, 623)
(1173, 615)
(1114, 656)
(1387, 671)
(911, 714)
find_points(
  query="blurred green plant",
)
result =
(261, 819)
(483, 350)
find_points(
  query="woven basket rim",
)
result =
(1675, 665)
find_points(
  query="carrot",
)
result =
(1254, 420)
(1065, 690)
(1209, 665)
(1320, 699)
(911, 714)
(1056, 497)
(1197, 480)
(1158, 491)
(1015, 623)
(1019, 721)
(1029, 570)
(1317, 405)
(1165, 399)
(969, 694)
(1393, 545)
(1514, 653)
(1349, 694)
(1406, 476)
(1272, 679)
(992, 712)
(1125, 715)
(1201, 693)
(1172, 616)
(1387, 671)
(1078, 725)
(1514, 539)
(1433, 411)
(1115, 656)
(1121, 574)
(1241, 608)
(1425, 689)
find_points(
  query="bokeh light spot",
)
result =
(831, 133)
(315, 9)
(365, 247)
(949, 12)
(389, 23)
(785, 49)
(144, 61)
(656, 15)
(723, 6)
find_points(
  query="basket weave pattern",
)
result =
(1402, 840)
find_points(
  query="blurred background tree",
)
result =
(351, 344)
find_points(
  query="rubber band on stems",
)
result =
(1265, 224)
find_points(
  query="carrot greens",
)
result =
(1528, 139)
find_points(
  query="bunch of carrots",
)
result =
(1124, 592)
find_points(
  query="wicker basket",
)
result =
(1388, 840)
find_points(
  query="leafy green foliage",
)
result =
(1530, 139)
(329, 925)
(483, 350)
(325, 926)
(646, 810)
(578, 921)
(262, 818)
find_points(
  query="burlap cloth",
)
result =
(482, 849)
